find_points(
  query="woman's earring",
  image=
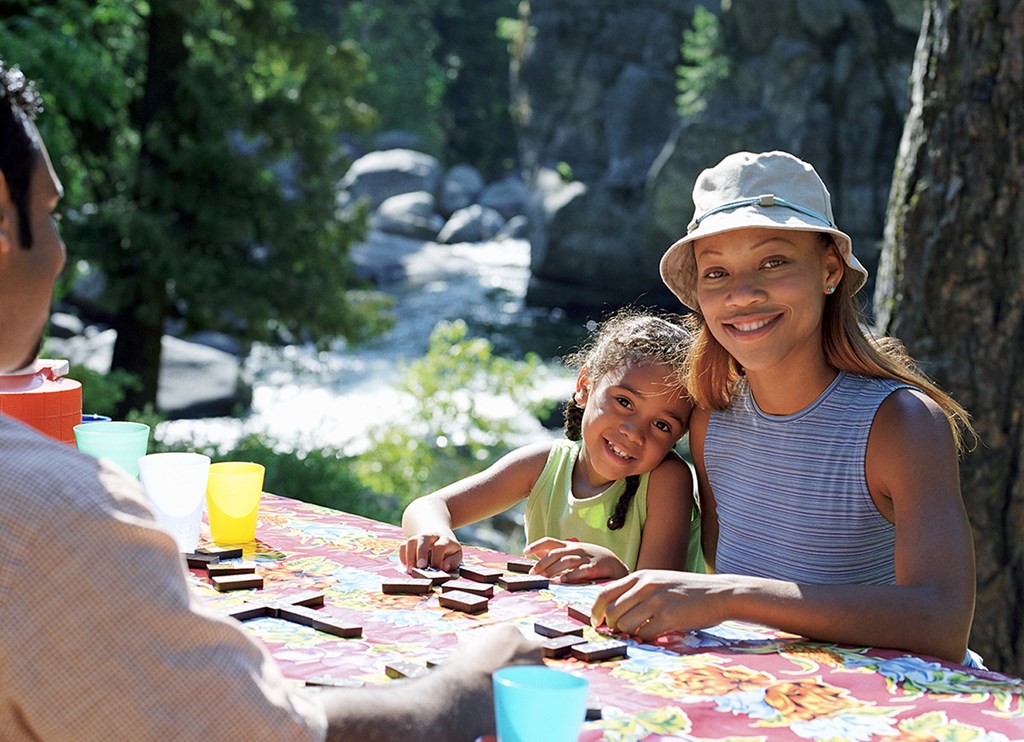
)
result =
(830, 289)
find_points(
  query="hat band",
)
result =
(766, 199)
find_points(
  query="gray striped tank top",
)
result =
(791, 491)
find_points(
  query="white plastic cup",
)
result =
(175, 485)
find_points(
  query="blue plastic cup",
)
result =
(88, 417)
(536, 702)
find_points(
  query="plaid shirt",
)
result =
(99, 637)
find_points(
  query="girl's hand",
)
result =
(574, 561)
(439, 550)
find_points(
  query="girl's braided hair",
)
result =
(628, 337)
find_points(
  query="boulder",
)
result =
(409, 214)
(459, 188)
(377, 176)
(196, 380)
(474, 223)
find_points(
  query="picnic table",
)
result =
(732, 681)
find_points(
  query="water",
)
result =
(304, 398)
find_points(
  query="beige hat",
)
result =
(769, 189)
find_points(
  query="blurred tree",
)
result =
(477, 122)
(437, 69)
(951, 282)
(404, 82)
(199, 141)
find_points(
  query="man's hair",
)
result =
(19, 104)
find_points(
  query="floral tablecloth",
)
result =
(732, 682)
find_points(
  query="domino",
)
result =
(560, 646)
(307, 598)
(245, 611)
(404, 669)
(485, 589)
(480, 573)
(436, 576)
(297, 614)
(236, 582)
(406, 586)
(580, 612)
(326, 680)
(196, 560)
(597, 651)
(462, 601)
(557, 626)
(515, 583)
(231, 568)
(221, 552)
(520, 565)
(336, 627)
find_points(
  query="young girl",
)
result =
(827, 463)
(611, 498)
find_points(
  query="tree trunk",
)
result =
(951, 281)
(140, 320)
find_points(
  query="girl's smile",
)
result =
(633, 416)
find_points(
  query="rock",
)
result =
(195, 380)
(409, 214)
(64, 325)
(506, 196)
(474, 223)
(377, 176)
(516, 228)
(459, 188)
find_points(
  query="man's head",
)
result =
(31, 251)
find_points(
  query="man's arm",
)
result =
(454, 702)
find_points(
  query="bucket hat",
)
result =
(769, 189)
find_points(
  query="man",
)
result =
(99, 637)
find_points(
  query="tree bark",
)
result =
(140, 320)
(951, 279)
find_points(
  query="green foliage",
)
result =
(102, 393)
(446, 436)
(705, 62)
(201, 179)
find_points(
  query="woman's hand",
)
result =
(649, 603)
(439, 550)
(573, 561)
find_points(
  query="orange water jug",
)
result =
(42, 396)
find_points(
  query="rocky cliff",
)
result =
(610, 162)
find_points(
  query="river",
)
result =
(305, 398)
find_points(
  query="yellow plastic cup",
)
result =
(233, 492)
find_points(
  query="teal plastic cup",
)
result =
(536, 702)
(121, 442)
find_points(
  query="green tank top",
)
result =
(552, 510)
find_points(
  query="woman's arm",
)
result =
(429, 521)
(911, 464)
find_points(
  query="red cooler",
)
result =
(43, 397)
